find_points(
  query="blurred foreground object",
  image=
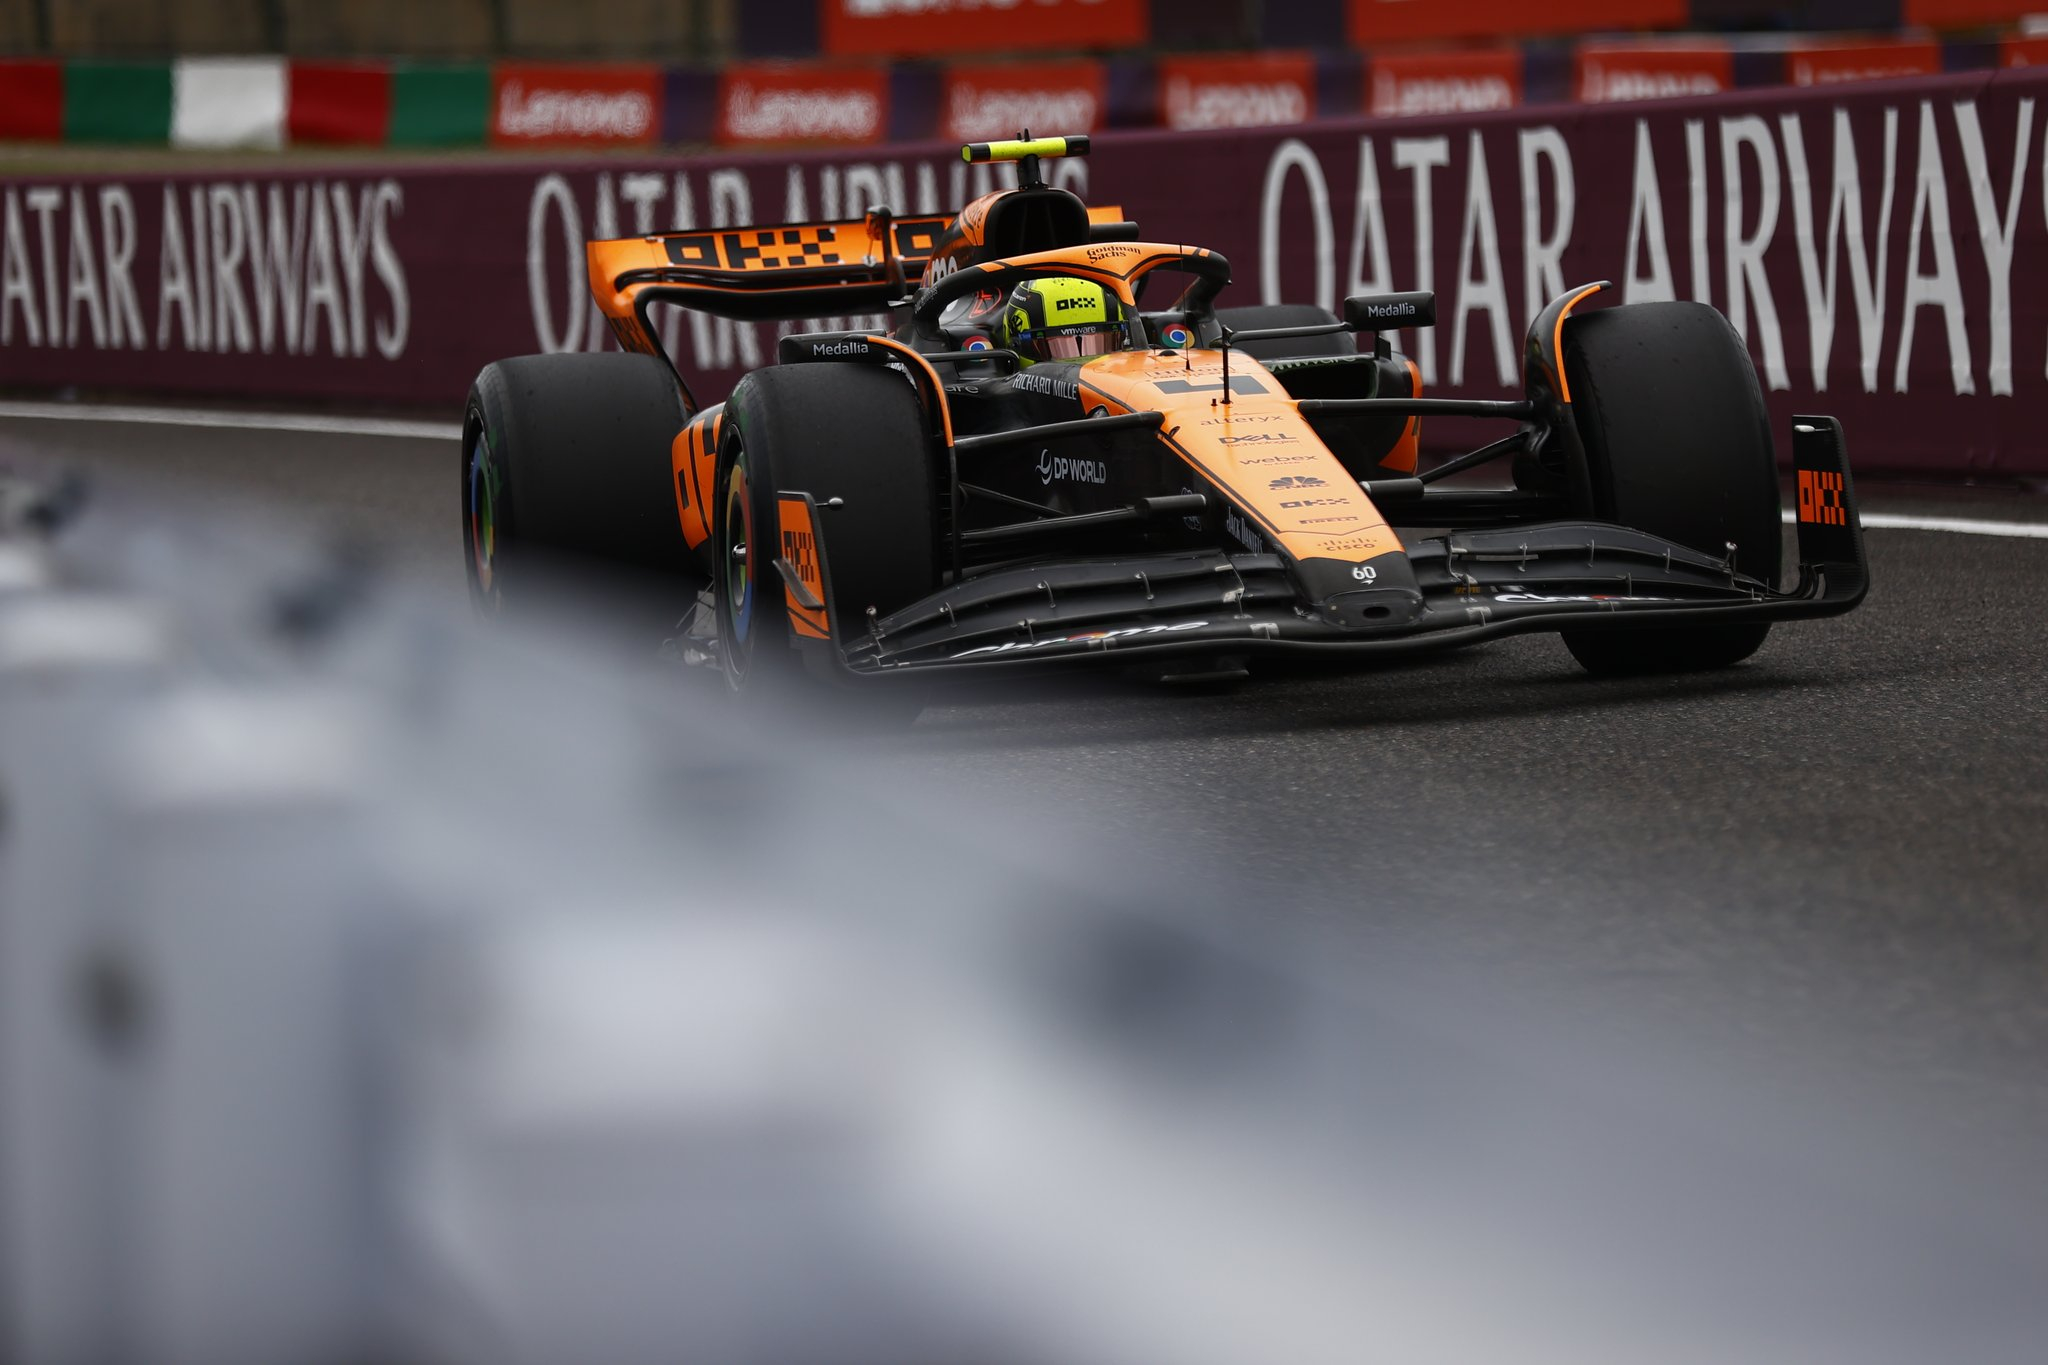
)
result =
(379, 989)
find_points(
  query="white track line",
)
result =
(245, 421)
(1894, 521)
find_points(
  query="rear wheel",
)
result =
(566, 464)
(847, 432)
(1678, 444)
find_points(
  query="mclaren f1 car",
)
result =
(1032, 466)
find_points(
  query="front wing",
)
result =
(1475, 586)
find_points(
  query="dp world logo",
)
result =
(1053, 467)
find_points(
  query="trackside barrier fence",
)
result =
(1883, 248)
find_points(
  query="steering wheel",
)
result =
(1115, 265)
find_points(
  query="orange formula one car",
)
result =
(1033, 467)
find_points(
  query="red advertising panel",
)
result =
(1959, 13)
(31, 101)
(1393, 21)
(536, 104)
(1637, 71)
(1830, 63)
(1049, 98)
(2025, 52)
(339, 103)
(935, 28)
(1445, 82)
(1237, 91)
(775, 103)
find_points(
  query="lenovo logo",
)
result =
(757, 114)
(594, 115)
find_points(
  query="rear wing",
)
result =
(783, 271)
(786, 270)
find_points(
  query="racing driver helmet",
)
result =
(1060, 317)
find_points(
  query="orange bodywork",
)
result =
(1257, 448)
(693, 462)
(726, 269)
(798, 541)
(1564, 387)
(1407, 452)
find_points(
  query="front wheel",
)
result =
(1677, 443)
(848, 433)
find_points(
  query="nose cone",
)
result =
(1372, 608)
(1379, 594)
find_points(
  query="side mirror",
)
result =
(1390, 312)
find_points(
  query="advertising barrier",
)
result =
(1827, 63)
(936, 28)
(1236, 92)
(1460, 82)
(1883, 247)
(769, 102)
(997, 99)
(1612, 73)
(1397, 21)
(545, 104)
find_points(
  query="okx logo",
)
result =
(1820, 498)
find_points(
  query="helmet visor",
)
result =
(1099, 342)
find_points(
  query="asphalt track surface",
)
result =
(1839, 848)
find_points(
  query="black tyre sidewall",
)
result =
(484, 504)
(1677, 443)
(758, 657)
(851, 432)
(580, 447)
(1677, 437)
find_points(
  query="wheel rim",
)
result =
(482, 497)
(737, 569)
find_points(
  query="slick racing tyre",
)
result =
(849, 432)
(566, 465)
(1678, 444)
(1258, 317)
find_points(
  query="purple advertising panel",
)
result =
(1883, 248)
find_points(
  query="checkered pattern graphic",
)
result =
(1820, 498)
(780, 249)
